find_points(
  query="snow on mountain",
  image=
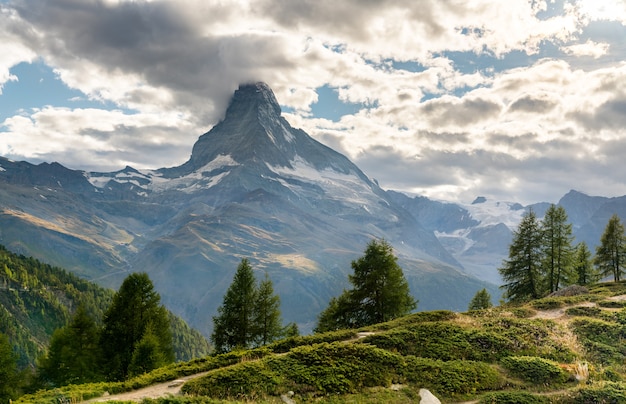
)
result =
(153, 181)
(490, 213)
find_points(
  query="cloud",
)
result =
(95, 139)
(589, 48)
(458, 98)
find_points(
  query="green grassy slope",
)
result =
(555, 350)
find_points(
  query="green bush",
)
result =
(244, 381)
(512, 397)
(613, 304)
(523, 312)
(337, 368)
(453, 377)
(602, 339)
(284, 345)
(415, 318)
(605, 393)
(530, 337)
(583, 311)
(548, 303)
(535, 370)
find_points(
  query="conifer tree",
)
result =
(521, 272)
(135, 308)
(380, 292)
(584, 270)
(480, 301)
(338, 315)
(147, 354)
(267, 321)
(232, 327)
(611, 253)
(557, 247)
(74, 352)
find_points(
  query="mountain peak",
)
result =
(258, 96)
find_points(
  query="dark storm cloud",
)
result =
(159, 43)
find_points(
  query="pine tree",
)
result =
(380, 292)
(584, 271)
(480, 301)
(522, 271)
(611, 253)
(73, 353)
(557, 247)
(267, 323)
(232, 327)
(134, 308)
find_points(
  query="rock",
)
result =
(428, 398)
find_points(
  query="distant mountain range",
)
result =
(256, 188)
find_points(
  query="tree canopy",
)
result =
(380, 292)
(558, 252)
(480, 301)
(73, 351)
(134, 311)
(250, 313)
(611, 253)
(521, 271)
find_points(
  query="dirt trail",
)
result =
(170, 388)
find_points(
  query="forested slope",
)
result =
(36, 299)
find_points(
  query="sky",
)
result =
(516, 100)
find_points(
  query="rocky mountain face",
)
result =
(478, 235)
(254, 187)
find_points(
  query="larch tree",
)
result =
(135, 310)
(611, 253)
(584, 270)
(267, 322)
(233, 326)
(521, 272)
(380, 292)
(557, 247)
(480, 301)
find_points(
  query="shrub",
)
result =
(337, 367)
(548, 303)
(416, 318)
(286, 344)
(583, 311)
(453, 377)
(612, 304)
(535, 370)
(605, 393)
(245, 381)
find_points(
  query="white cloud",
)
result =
(589, 48)
(96, 139)
(486, 107)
